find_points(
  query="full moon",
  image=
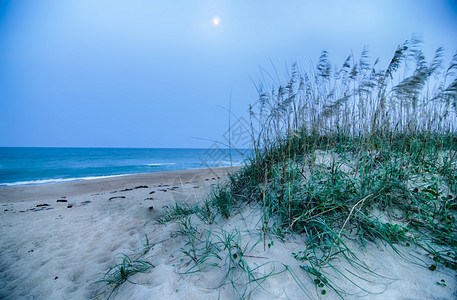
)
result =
(216, 20)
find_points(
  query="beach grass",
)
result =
(355, 155)
(121, 272)
(125, 267)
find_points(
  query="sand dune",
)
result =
(58, 241)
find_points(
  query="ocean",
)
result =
(33, 166)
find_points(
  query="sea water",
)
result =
(32, 166)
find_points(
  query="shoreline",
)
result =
(37, 182)
(64, 237)
(19, 193)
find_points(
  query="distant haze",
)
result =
(145, 73)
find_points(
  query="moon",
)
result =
(216, 21)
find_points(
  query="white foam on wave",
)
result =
(160, 164)
(227, 163)
(56, 180)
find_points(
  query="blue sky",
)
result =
(144, 73)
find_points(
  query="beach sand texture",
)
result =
(58, 241)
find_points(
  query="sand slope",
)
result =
(57, 242)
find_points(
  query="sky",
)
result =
(146, 73)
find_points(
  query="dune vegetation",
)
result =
(356, 153)
(343, 157)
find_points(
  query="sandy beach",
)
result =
(58, 241)
(255, 150)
